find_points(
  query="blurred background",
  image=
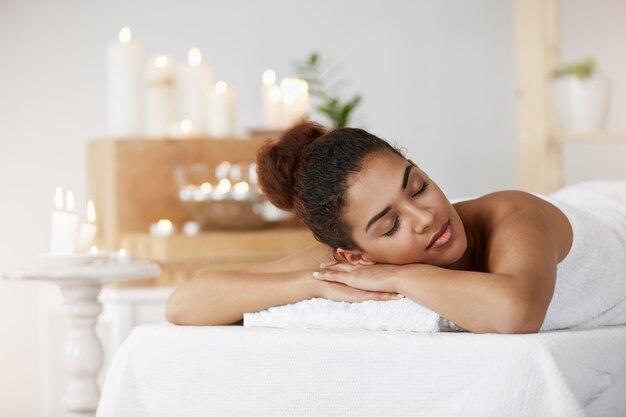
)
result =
(437, 78)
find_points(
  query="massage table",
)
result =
(168, 370)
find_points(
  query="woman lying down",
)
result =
(506, 262)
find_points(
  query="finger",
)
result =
(326, 276)
(383, 296)
(328, 264)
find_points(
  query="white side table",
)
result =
(80, 286)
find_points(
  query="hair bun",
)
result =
(278, 162)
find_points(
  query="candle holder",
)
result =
(226, 196)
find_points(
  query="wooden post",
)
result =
(537, 55)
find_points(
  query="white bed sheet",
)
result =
(166, 370)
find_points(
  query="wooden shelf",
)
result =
(591, 137)
(180, 256)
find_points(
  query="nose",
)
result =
(421, 218)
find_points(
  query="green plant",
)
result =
(330, 105)
(580, 69)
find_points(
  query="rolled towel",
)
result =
(394, 315)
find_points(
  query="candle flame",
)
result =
(194, 57)
(186, 126)
(221, 86)
(122, 252)
(164, 225)
(91, 212)
(58, 199)
(269, 77)
(93, 250)
(275, 94)
(241, 187)
(70, 201)
(160, 61)
(224, 185)
(125, 35)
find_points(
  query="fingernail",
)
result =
(315, 274)
(399, 295)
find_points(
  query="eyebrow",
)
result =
(378, 216)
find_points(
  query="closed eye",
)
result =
(396, 224)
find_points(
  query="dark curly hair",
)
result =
(307, 170)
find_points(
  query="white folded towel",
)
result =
(394, 315)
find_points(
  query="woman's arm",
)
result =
(522, 254)
(222, 297)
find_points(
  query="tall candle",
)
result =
(295, 100)
(271, 100)
(221, 108)
(124, 86)
(159, 94)
(64, 225)
(88, 230)
(193, 80)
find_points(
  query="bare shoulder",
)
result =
(515, 217)
(303, 260)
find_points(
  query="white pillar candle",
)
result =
(193, 80)
(221, 108)
(124, 86)
(295, 99)
(159, 97)
(271, 99)
(64, 225)
(88, 230)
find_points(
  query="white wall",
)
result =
(437, 77)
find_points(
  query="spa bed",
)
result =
(167, 370)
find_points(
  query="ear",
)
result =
(353, 257)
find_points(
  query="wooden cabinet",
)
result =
(132, 184)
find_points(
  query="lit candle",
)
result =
(193, 80)
(295, 96)
(159, 96)
(222, 170)
(124, 85)
(64, 225)
(191, 228)
(123, 256)
(186, 129)
(163, 227)
(271, 99)
(222, 189)
(241, 190)
(221, 108)
(87, 230)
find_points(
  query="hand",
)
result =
(336, 291)
(376, 278)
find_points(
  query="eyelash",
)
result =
(396, 224)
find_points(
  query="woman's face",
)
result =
(398, 215)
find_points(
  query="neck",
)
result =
(467, 262)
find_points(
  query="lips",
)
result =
(437, 235)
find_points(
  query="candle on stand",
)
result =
(221, 108)
(124, 85)
(64, 225)
(193, 80)
(88, 230)
(159, 95)
(123, 256)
